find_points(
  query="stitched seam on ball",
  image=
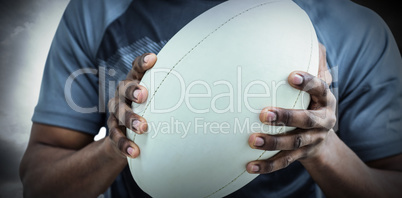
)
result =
(233, 180)
(281, 129)
(195, 46)
(192, 49)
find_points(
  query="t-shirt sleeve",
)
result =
(370, 89)
(69, 95)
(366, 66)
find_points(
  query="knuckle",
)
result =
(110, 121)
(129, 117)
(315, 86)
(135, 62)
(119, 109)
(131, 86)
(332, 121)
(128, 89)
(286, 117)
(137, 75)
(324, 88)
(307, 139)
(321, 88)
(122, 143)
(298, 142)
(310, 121)
(331, 100)
(112, 104)
(268, 166)
(137, 68)
(271, 143)
(321, 136)
(308, 82)
(275, 143)
(287, 160)
(120, 89)
(304, 153)
(114, 132)
(122, 113)
(325, 96)
(121, 84)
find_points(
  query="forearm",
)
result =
(57, 172)
(340, 173)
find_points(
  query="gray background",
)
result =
(26, 31)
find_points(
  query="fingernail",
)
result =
(258, 141)
(271, 116)
(130, 151)
(255, 168)
(136, 93)
(136, 124)
(146, 58)
(297, 79)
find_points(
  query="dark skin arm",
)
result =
(60, 162)
(333, 165)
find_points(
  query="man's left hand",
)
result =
(313, 125)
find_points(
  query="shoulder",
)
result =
(358, 41)
(87, 20)
(344, 21)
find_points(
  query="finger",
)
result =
(288, 141)
(323, 72)
(126, 116)
(140, 65)
(122, 143)
(317, 88)
(300, 118)
(131, 90)
(277, 162)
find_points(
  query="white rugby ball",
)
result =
(207, 89)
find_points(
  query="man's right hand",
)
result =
(62, 157)
(121, 115)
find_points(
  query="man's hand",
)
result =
(86, 166)
(313, 125)
(121, 115)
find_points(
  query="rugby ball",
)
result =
(207, 89)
